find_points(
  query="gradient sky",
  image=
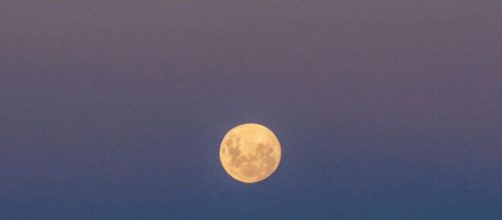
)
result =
(385, 109)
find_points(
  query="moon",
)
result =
(250, 152)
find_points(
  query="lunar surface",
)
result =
(250, 153)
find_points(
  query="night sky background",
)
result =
(386, 109)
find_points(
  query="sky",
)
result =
(385, 109)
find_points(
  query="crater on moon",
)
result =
(250, 152)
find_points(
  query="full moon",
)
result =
(250, 152)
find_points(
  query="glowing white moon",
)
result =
(250, 153)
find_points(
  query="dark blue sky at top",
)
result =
(385, 109)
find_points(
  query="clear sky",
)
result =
(385, 109)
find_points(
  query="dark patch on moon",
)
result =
(250, 170)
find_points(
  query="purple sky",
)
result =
(385, 109)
